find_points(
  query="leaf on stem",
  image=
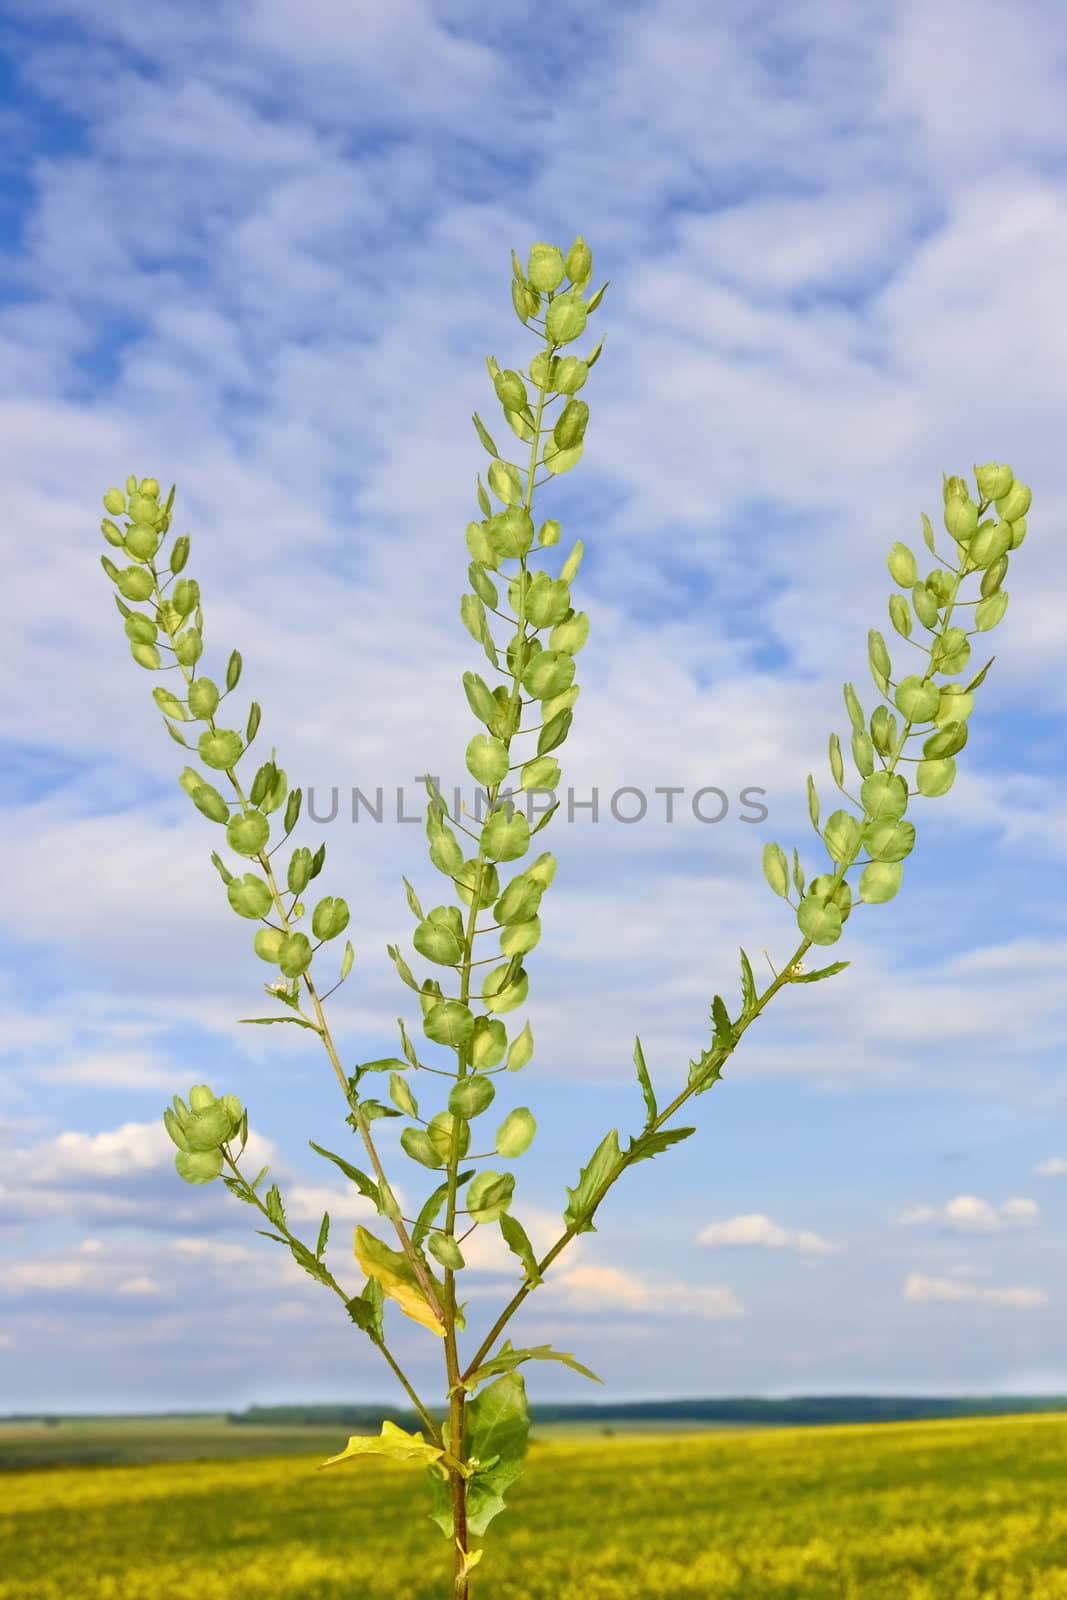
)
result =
(603, 1163)
(517, 1241)
(393, 1443)
(748, 986)
(365, 1185)
(647, 1145)
(644, 1080)
(509, 1358)
(397, 1277)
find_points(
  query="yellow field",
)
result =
(920, 1511)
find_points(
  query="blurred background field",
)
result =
(943, 1510)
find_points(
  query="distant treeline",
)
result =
(796, 1411)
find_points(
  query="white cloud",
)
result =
(756, 1229)
(1054, 1167)
(919, 1287)
(604, 1289)
(967, 1213)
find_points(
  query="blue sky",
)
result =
(262, 251)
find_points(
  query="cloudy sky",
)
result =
(262, 251)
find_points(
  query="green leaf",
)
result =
(366, 1310)
(508, 1358)
(324, 1233)
(725, 1037)
(300, 1022)
(393, 1443)
(605, 1160)
(428, 1215)
(396, 1275)
(816, 977)
(517, 1241)
(748, 986)
(365, 1185)
(645, 1081)
(497, 1429)
(647, 1145)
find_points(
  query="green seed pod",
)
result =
(439, 1132)
(488, 1043)
(417, 1144)
(883, 730)
(185, 596)
(991, 542)
(900, 615)
(884, 796)
(570, 374)
(863, 754)
(841, 836)
(233, 669)
(220, 749)
(515, 1134)
(889, 841)
(207, 1129)
(294, 956)
(443, 1248)
(511, 532)
(179, 553)
(548, 600)
(579, 263)
(925, 605)
(819, 920)
(915, 699)
(329, 918)
(548, 533)
(549, 673)
(545, 267)
(994, 481)
(511, 391)
(471, 1096)
(247, 833)
(174, 1128)
(946, 741)
(473, 872)
(837, 766)
(571, 424)
(489, 1196)
(141, 541)
(198, 1166)
(482, 584)
(249, 896)
(902, 565)
(140, 629)
(570, 634)
(824, 889)
(988, 612)
(954, 487)
(268, 944)
(878, 656)
(565, 320)
(523, 300)
(519, 938)
(503, 990)
(879, 881)
(487, 759)
(1016, 503)
(210, 803)
(955, 705)
(521, 1050)
(776, 869)
(854, 709)
(189, 647)
(145, 655)
(203, 698)
(234, 1110)
(1018, 532)
(111, 532)
(935, 778)
(115, 502)
(520, 900)
(437, 943)
(992, 577)
(961, 517)
(543, 369)
(299, 874)
(951, 651)
(144, 506)
(543, 772)
(133, 583)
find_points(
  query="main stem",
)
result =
(456, 1393)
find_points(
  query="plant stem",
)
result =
(714, 1057)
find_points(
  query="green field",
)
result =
(958, 1510)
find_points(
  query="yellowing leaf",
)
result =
(397, 1277)
(393, 1442)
